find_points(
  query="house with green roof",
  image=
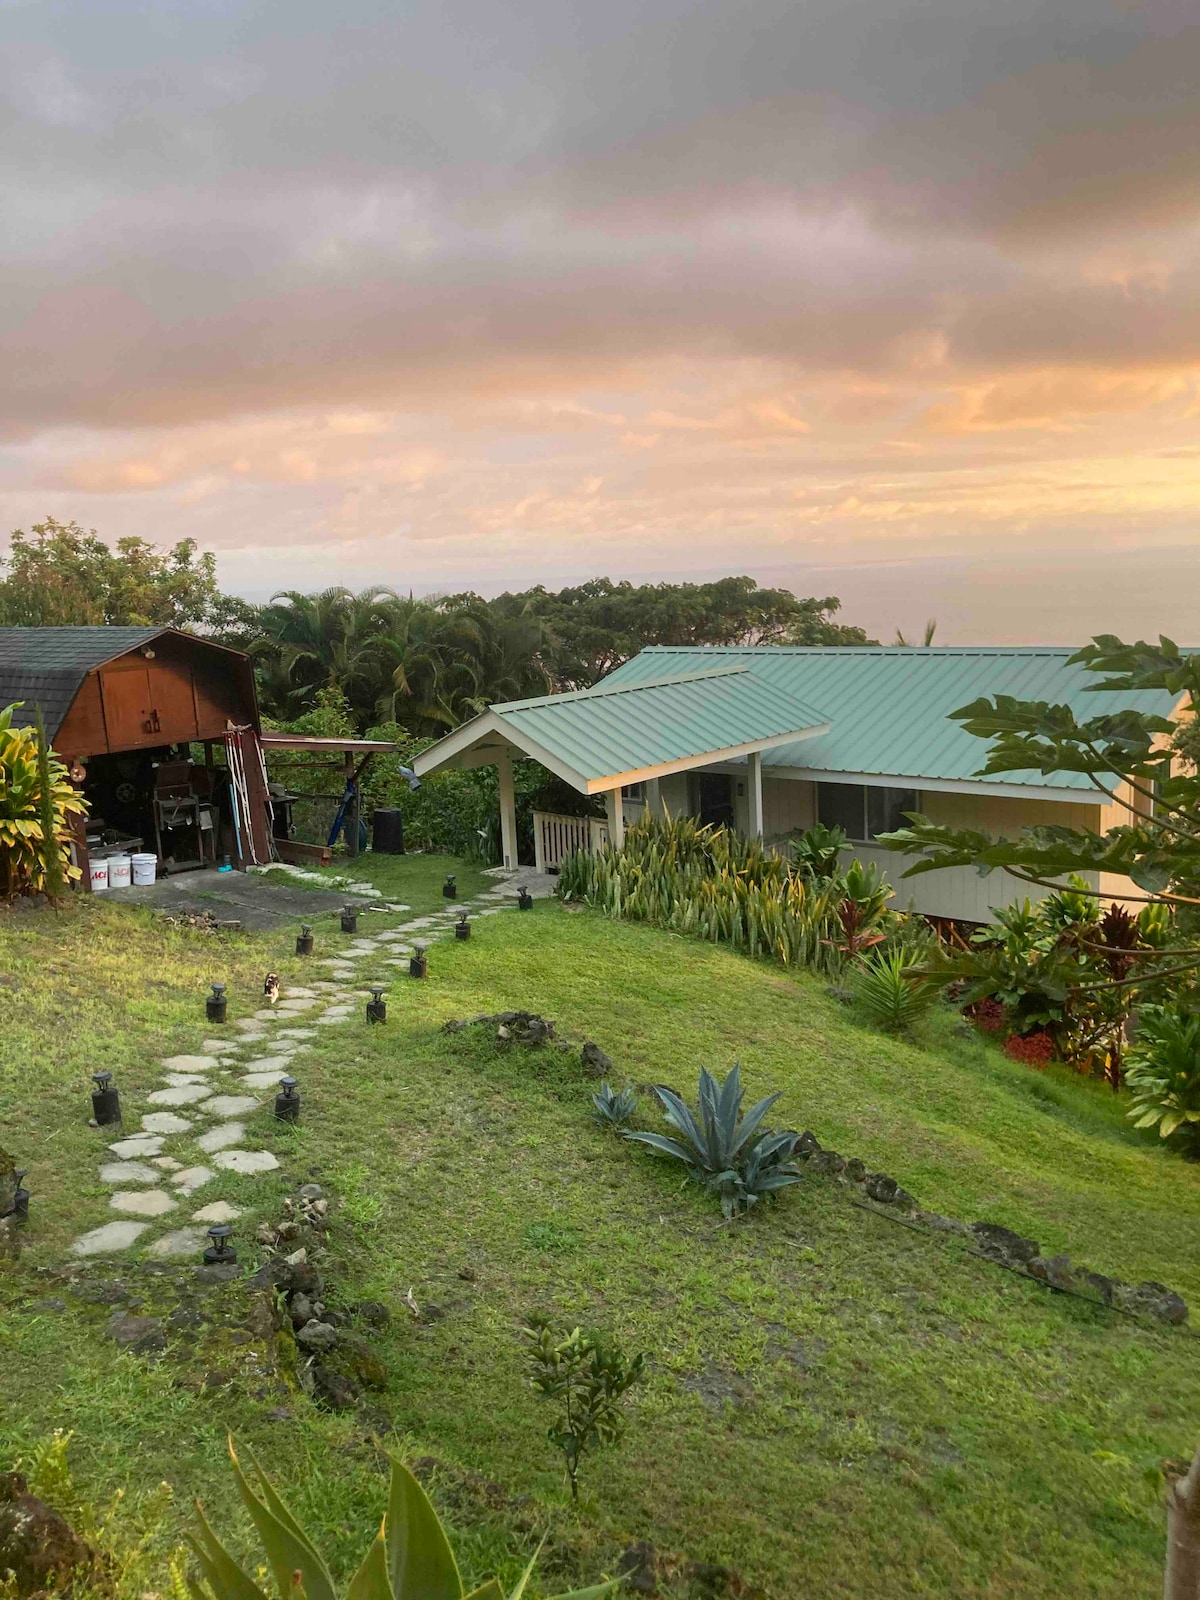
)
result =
(770, 739)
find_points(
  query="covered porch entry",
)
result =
(626, 738)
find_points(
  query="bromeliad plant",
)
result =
(589, 1378)
(411, 1558)
(613, 1109)
(36, 803)
(889, 993)
(724, 1151)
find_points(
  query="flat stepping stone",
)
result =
(231, 1105)
(138, 1144)
(190, 1063)
(121, 1172)
(112, 1236)
(297, 1033)
(267, 1014)
(182, 1095)
(165, 1122)
(295, 1008)
(183, 1242)
(192, 1178)
(167, 1163)
(295, 991)
(269, 1063)
(247, 1161)
(250, 1024)
(260, 1080)
(221, 1138)
(142, 1202)
(181, 1080)
(217, 1211)
(216, 1047)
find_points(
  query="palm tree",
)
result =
(926, 642)
(325, 640)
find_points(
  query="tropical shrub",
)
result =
(1034, 1049)
(613, 1110)
(722, 1150)
(410, 1559)
(36, 802)
(888, 993)
(713, 884)
(588, 1377)
(1163, 1070)
(816, 851)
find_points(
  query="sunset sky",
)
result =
(895, 299)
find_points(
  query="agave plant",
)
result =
(888, 993)
(724, 1151)
(410, 1559)
(614, 1110)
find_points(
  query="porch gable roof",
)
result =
(618, 733)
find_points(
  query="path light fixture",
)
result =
(106, 1102)
(20, 1200)
(524, 899)
(220, 1252)
(216, 1005)
(287, 1101)
(418, 962)
(376, 1006)
(304, 940)
(462, 928)
(450, 887)
(350, 919)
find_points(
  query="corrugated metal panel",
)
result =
(628, 727)
(889, 708)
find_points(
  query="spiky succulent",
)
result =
(613, 1109)
(724, 1151)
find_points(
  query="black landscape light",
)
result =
(220, 1252)
(418, 962)
(377, 1006)
(350, 919)
(287, 1101)
(216, 1004)
(304, 940)
(462, 928)
(20, 1205)
(524, 899)
(450, 887)
(106, 1102)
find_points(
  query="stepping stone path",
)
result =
(149, 1184)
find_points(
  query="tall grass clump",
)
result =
(713, 884)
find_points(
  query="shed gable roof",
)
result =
(45, 666)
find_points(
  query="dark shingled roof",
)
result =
(45, 666)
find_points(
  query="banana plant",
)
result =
(410, 1558)
(724, 1151)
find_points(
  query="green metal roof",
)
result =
(617, 730)
(889, 707)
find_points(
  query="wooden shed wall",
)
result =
(188, 691)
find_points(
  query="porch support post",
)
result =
(508, 809)
(754, 793)
(654, 805)
(616, 818)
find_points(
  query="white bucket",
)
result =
(100, 875)
(119, 872)
(144, 868)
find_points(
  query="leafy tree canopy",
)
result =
(57, 575)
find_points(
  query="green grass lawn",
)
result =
(836, 1405)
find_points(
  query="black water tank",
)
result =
(388, 831)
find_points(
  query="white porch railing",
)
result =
(555, 837)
